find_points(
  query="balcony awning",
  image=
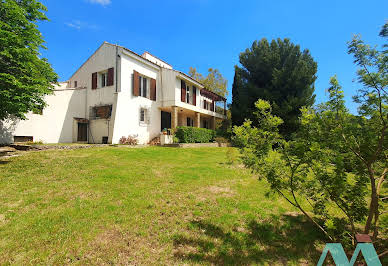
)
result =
(212, 95)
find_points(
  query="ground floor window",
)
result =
(143, 116)
(190, 122)
(23, 139)
(205, 124)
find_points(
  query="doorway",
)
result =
(82, 132)
(165, 120)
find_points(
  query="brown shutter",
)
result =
(110, 76)
(183, 91)
(94, 80)
(136, 85)
(194, 95)
(153, 90)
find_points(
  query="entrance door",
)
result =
(165, 121)
(82, 132)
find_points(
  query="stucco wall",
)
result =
(103, 59)
(56, 123)
(127, 117)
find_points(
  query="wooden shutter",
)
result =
(153, 90)
(110, 76)
(183, 91)
(136, 85)
(194, 95)
(94, 80)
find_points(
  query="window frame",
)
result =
(103, 79)
(189, 121)
(144, 92)
(143, 116)
(188, 100)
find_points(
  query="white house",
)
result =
(116, 93)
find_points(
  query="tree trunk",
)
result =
(373, 207)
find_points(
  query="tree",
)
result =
(25, 78)
(278, 72)
(335, 165)
(214, 81)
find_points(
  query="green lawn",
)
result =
(141, 206)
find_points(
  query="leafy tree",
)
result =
(25, 78)
(214, 81)
(278, 72)
(335, 165)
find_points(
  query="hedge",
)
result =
(194, 135)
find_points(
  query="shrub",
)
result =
(40, 142)
(194, 135)
(130, 140)
(232, 155)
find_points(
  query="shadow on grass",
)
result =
(282, 240)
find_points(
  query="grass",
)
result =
(145, 206)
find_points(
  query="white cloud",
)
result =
(77, 24)
(100, 2)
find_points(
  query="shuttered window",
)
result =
(136, 83)
(194, 95)
(94, 81)
(153, 90)
(110, 76)
(183, 91)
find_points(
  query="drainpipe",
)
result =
(117, 55)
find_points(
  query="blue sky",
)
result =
(206, 33)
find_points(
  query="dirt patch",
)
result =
(13, 204)
(213, 192)
(115, 246)
(3, 220)
(225, 191)
(292, 214)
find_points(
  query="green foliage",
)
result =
(214, 81)
(25, 78)
(232, 156)
(194, 134)
(336, 161)
(278, 72)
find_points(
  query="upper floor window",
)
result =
(188, 94)
(103, 79)
(143, 86)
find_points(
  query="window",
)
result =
(103, 79)
(101, 112)
(205, 124)
(143, 116)
(206, 105)
(190, 122)
(143, 83)
(187, 93)
(75, 84)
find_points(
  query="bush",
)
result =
(232, 155)
(194, 135)
(130, 140)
